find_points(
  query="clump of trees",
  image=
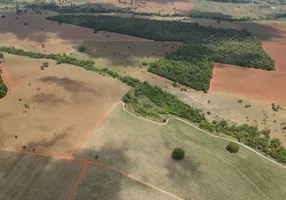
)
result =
(232, 147)
(178, 154)
(191, 65)
(196, 76)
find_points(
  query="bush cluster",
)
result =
(232, 147)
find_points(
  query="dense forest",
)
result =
(203, 45)
(171, 105)
(196, 75)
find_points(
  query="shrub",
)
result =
(81, 49)
(45, 64)
(26, 106)
(275, 143)
(240, 101)
(178, 154)
(232, 147)
(26, 24)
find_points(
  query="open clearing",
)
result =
(41, 35)
(126, 56)
(52, 111)
(146, 6)
(35, 177)
(225, 106)
(251, 83)
(101, 183)
(207, 172)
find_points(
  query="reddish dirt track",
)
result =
(251, 83)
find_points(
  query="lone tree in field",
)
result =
(81, 49)
(1, 55)
(45, 64)
(232, 147)
(178, 154)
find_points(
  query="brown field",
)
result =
(62, 104)
(277, 50)
(158, 6)
(35, 177)
(251, 83)
(56, 38)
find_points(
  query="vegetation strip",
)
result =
(168, 104)
(192, 65)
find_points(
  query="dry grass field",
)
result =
(52, 111)
(208, 171)
(146, 6)
(35, 177)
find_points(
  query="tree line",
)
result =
(171, 105)
(191, 65)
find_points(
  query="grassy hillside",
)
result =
(208, 171)
(204, 45)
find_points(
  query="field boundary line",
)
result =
(275, 46)
(212, 135)
(85, 164)
(87, 134)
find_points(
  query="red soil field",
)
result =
(277, 50)
(250, 83)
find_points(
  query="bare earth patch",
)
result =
(52, 112)
(251, 83)
(277, 50)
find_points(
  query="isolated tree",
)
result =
(45, 64)
(232, 147)
(3, 16)
(1, 55)
(178, 154)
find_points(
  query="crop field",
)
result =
(126, 56)
(208, 171)
(250, 83)
(35, 177)
(42, 114)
